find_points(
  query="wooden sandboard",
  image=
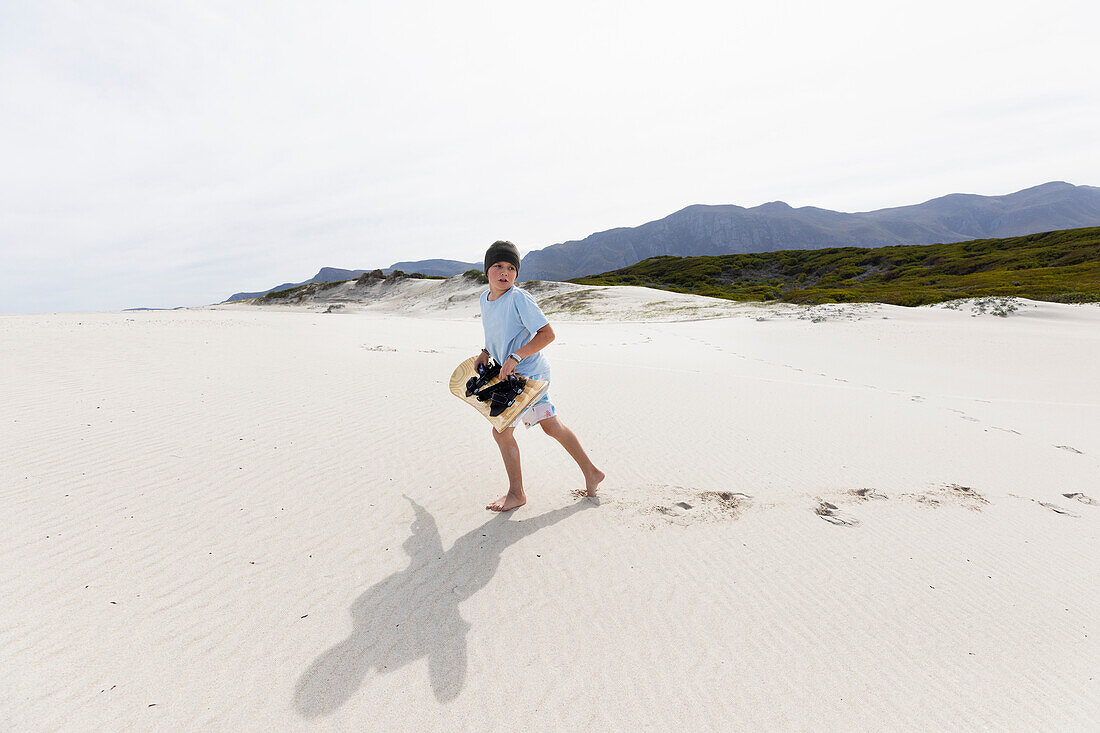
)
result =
(534, 389)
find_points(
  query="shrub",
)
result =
(366, 277)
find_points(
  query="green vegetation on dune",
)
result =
(299, 293)
(1061, 266)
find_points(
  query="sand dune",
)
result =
(457, 297)
(269, 518)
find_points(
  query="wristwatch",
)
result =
(516, 357)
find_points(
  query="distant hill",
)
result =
(1061, 266)
(439, 268)
(729, 229)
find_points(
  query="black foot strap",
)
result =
(486, 372)
(487, 394)
(504, 397)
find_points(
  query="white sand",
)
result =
(270, 519)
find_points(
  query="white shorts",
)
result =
(538, 410)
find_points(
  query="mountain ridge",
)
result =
(720, 229)
(704, 229)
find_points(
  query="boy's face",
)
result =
(502, 275)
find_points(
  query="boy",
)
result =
(516, 332)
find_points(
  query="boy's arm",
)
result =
(538, 342)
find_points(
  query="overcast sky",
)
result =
(173, 153)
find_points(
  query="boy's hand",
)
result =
(508, 368)
(482, 359)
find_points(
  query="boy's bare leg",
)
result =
(509, 451)
(556, 429)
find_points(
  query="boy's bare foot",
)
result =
(592, 481)
(508, 502)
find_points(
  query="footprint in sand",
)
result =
(954, 493)
(676, 510)
(710, 505)
(1057, 509)
(966, 496)
(1082, 498)
(830, 513)
(682, 505)
(725, 503)
(866, 494)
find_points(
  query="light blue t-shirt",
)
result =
(510, 323)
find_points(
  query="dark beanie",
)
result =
(501, 251)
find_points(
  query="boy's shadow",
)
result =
(414, 612)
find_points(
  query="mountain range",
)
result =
(729, 229)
